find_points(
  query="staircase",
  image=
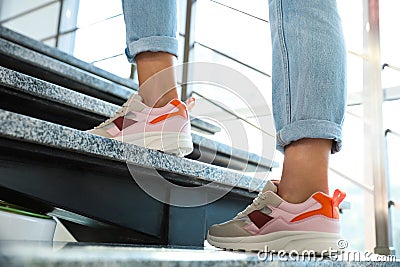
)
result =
(50, 165)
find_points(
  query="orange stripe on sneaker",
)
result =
(180, 112)
(190, 103)
(338, 197)
(329, 206)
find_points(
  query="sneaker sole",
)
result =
(299, 241)
(179, 144)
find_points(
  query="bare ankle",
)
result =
(299, 194)
(305, 169)
(153, 100)
(157, 78)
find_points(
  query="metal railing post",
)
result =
(60, 14)
(373, 125)
(188, 46)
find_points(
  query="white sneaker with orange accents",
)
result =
(270, 223)
(165, 129)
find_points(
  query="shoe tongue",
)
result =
(134, 98)
(137, 97)
(135, 103)
(270, 186)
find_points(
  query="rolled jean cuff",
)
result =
(152, 44)
(310, 129)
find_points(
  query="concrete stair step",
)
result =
(59, 55)
(41, 66)
(63, 106)
(100, 255)
(61, 167)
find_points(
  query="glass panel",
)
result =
(262, 81)
(11, 8)
(353, 147)
(351, 13)
(118, 65)
(50, 42)
(237, 35)
(91, 11)
(353, 220)
(181, 16)
(393, 143)
(390, 77)
(390, 44)
(38, 25)
(350, 163)
(181, 45)
(251, 136)
(395, 216)
(101, 40)
(391, 111)
(354, 74)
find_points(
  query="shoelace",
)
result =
(190, 103)
(256, 203)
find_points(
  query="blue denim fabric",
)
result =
(151, 25)
(308, 71)
(309, 61)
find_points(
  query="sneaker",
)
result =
(270, 224)
(165, 129)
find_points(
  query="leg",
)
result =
(154, 118)
(309, 102)
(309, 91)
(161, 89)
(150, 34)
(306, 163)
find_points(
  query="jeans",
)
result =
(308, 68)
(151, 25)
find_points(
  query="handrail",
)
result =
(390, 66)
(367, 188)
(79, 28)
(106, 58)
(354, 115)
(232, 58)
(233, 114)
(239, 11)
(388, 131)
(27, 12)
(365, 57)
(227, 56)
